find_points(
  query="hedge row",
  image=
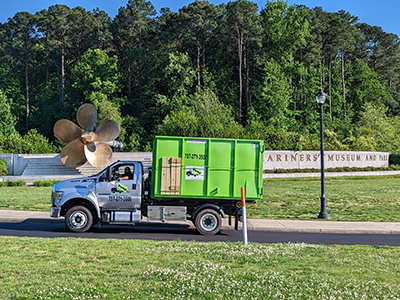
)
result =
(13, 183)
(45, 183)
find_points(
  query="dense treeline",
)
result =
(232, 70)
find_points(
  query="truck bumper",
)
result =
(55, 212)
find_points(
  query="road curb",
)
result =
(298, 226)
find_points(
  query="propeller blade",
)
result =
(73, 155)
(107, 131)
(66, 131)
(86, 116)
(98, 154)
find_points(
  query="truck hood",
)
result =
(77, 182)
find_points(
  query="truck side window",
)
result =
(115, 175)
(128, 172)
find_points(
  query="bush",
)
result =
(3, 168)
(16, 183)
(45, 183)
(31, 143)
(204, 116)
(13, 183)
(394, 159)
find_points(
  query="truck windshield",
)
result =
(95, 175)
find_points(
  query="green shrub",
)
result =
(15, 182)
(31, 143)
(203, 116)
(3, 168)
(394, 159)
(45, 183)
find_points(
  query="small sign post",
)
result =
(244, 221)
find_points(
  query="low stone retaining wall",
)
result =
(16, 163)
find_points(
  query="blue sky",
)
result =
(383, 13)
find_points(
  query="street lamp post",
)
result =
(321, 96)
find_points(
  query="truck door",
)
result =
(122, 190)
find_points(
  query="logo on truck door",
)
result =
(195, 173)
(119, 189)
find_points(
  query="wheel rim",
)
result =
(209, 222)
(78, 219)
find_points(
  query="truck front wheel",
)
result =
(78, 219)
(208, 222)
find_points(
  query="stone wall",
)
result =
(16, 163)
(9, 160)
(333, 159)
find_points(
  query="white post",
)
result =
(244, 219)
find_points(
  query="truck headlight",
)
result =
(59, 196)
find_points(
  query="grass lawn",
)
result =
(25, 198)
(37, 268)
(69, 268)
(348, 199)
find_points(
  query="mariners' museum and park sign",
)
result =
(333, 159)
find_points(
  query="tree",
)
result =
(346, 39)
(285, 80)
(101, 32)
(376, 127)
(88, 30)
(285, 30)
(204, 116)
(10, 84)
(95, 79)
(7, 120)
(200, 20)
(130, 27)
(366, 88)
(276, 95)
(242, 21)
(54, 25)
(383, 57)
(21, 29)
(31, 143)
(181, 76)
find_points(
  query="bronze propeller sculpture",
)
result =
(86, 145)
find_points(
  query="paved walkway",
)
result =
(317, 226)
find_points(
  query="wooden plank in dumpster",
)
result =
(171, 176)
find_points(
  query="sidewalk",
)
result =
(318, 226)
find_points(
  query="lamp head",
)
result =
(321, 96)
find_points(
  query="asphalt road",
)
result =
(58, 230)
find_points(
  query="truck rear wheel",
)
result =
(79, 219)
(208, 222)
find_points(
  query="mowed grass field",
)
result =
(374, 199)
(80, 268)
(348, 199)
(32, 268)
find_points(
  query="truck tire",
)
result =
(208, 222)
(79, 219)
